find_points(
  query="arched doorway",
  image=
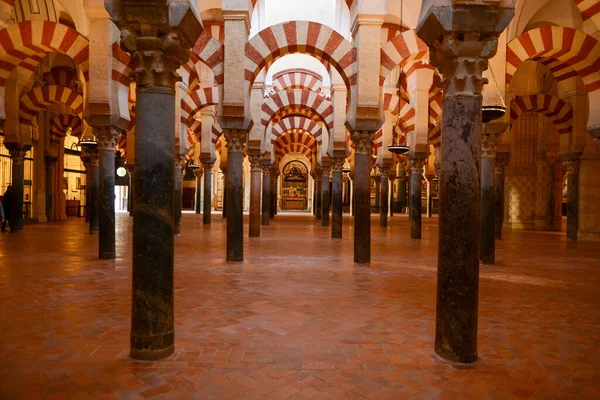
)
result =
(294, 187)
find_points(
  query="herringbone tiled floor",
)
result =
(297, 319)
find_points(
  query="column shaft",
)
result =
(207, 212)
(415, 197)
(325, 198)
(273, 195)
(362, 208)
(487, 252)
(266, 195)
(152, 318)
(94, 188)
(255, 191)
(319, 194)
(459, 230)
(499, 197)
(235, 222)
(50, 168)
(572, 164)
(106, 197)
(198, 195)
(385, 194)
(336, 189)
(15, 214)
(177, 195)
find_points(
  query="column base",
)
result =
(107, 256)
(146, 354)
(452, 358)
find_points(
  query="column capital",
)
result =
(416, 165)
(106, 136)
(571, 162)
(489, 145)
(363, 141)
(338, 164)
(158, 35)
(237, 139)
(17, 151)
(255, 162)
(385, 172)
(207, 165)
(198, 173)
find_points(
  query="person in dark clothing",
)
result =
(7, 204)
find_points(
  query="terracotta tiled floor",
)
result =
(297, 319)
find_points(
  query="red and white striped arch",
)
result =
(27, 43)
(398, 106)
(295, 141)
(297, 78)
(209, 51)
(41, 97)
(559, 112)
(435, 135)
(565, 51)
(63, 76)
(402, 49)
(296, 101)
(192, 139)
(216, 27)
(590, 13)
(61, 124)
(121, 145)
(196, 101)
(311, 38)
(297, 122)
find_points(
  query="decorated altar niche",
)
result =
(294, 189)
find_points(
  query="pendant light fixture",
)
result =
(493, 112)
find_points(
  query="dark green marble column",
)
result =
(208, 178)
(106, 199)
(417, 163)
(198, 195)
(325, 196)
(236, 141)
(50, 171)
(336, 191)
(255, 192)
(362, 196)
(266, 195)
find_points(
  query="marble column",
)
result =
(106, 192)
(501, 164)
(94, 189)
(274, 176)
(319, 179)
(155, 59)
(551, 204)
(487, 248)
(362, 196)
(255, 192)
(377, 179)
(571, 162)
(131, 169)
(385, 195)
(177, 187)
(17, 155)
(461, 52)
(417, 164)
(198, 196)
(50, 171)
(236, 141)
(325, 195)
(266, 194)
(336, 192)
(207, 211)
(224, 192)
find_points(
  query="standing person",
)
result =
(7, 204)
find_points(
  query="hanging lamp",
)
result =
(491, 113)
(395, 147)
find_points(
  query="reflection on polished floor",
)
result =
(297, 319)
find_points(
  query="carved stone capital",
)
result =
(17, 152)
(416, 165)
(385, 172)
(158, 35)
(363, 141)
(462, 58)
(207, 166)
(106, 137)
(198, 173)
(236, 139)
(338, 164)
(489, 145)
(94, 157)
(571, 162)
(255, 162)
(266, 169)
